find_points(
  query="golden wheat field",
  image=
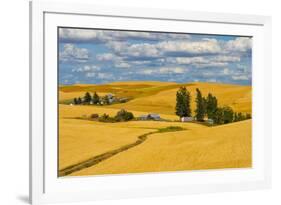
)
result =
(195, 147)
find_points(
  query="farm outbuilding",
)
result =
(110, 95)
(143, 117)
(154, 116)
(210, 121)
(186, 119)
(110, 100)
(150, 116)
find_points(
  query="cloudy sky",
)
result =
(101, 56)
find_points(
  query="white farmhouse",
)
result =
(186, 119)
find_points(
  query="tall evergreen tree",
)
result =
(87, 98)
(200, 107)
(183, 102)
(79, 100)
(96, 98)
(204, 105)
(75, 101)
(212, 105)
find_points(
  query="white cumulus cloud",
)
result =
(86, 68)
(122, 65)
(240, 44)
(105, 57)
(92, 35)
(72, 53)
(191, 47)
(240, 77)
(163, 70)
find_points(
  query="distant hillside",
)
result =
(160, 97)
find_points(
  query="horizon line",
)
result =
(142, 81)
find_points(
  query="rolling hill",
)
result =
(195, 147)
(226, 146)
(160, 96)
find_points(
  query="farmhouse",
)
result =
(210, 121)
(110, 95)
(153, 116)
(111, 98)
(186, 119)
(150, 116)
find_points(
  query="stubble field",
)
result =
(196, 147)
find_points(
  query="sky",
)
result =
(95, 56)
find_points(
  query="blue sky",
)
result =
(94, 56)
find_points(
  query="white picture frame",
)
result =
(45, 187)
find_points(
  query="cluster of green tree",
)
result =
(239, 116)
(77, 101)
(87, 99)
(183, 103)
(206, 107)
(121, 116)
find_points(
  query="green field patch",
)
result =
(171, 129)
